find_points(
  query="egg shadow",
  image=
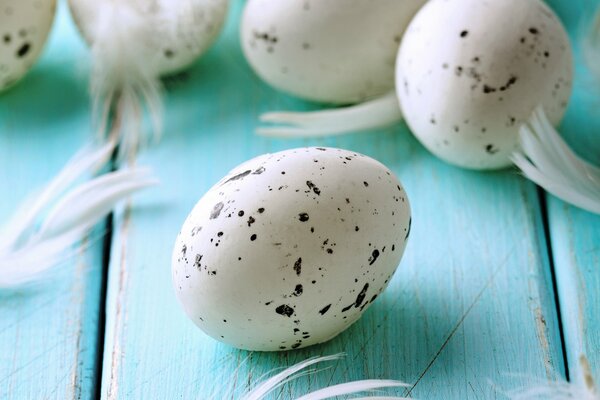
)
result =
(375, 347)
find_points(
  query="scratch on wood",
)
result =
(459, 323)
(78, 297)
(541, 327)
(119, 312)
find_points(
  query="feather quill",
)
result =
(377, 113)
(293, 372)
(44, 229)
(547, 160)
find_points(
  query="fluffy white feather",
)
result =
(293, 372)
(547, 160)
(380, 112)
(124, 73)
(31, 243)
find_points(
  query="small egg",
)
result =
(24, 28)
(337, 51)
(289, 249)
(470, 72)
(183, 29)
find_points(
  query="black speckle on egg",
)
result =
(490, 149)
(253, 237)
(216, 211)
(303, 217)
(374, 256)
(313, 187)
(323, 310)
(298, 290)
(239, 176)
(285, 310)
(464, 34)
(298, 266)
(23, 50)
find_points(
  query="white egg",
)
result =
(338, 51)
(469, 72)
(182, 29)
(24, 28)
(290, 248)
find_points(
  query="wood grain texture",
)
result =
(575, 233)
(48, 331)
(471, 303)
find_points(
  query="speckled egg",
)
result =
(289, 249)
(185, 29)
(338, 51)
(470, 72)
(24, 28)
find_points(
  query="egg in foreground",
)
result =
(289, 249)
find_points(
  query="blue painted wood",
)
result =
(48, 331)
(576, 233)
(471, 303)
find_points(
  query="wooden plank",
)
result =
(48, 331)
(471, 303)
(575, 234)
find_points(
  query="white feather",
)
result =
(547, 160)
(293, 372)
(124, 73)
(86, 204)
(29, 262)
(351, 388)
(86, 160)
(380, 112)
(27, 250)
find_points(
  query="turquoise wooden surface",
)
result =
(576, 234)
(472, 304)
(469, 305)
(48, 331)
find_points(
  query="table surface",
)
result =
(499, 286)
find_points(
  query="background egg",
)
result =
(493, 63)
(24, 27)
(338, 51)
(290, 248)
(189, 27)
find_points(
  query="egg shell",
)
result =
(337, 51)
(470, 72)
(24, 28)
(290, 248)
(196, 25)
